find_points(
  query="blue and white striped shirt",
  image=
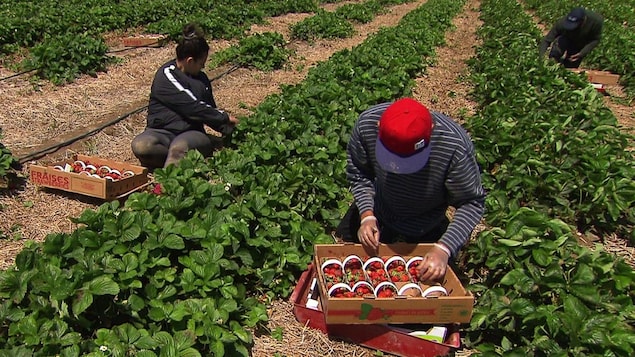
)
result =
(413, 204)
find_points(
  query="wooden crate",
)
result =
(600, 77)
(51, 177)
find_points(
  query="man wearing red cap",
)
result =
(406, 165)
(573, 37)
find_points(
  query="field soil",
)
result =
(43, 123)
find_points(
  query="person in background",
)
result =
(406, 165)
(181, 104)
(573, 37)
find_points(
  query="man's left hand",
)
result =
(433, 266)
(574, 57)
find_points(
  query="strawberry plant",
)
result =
(361, 12)
(8, 166)
(265, 52)
(63, 58)
(323, 24)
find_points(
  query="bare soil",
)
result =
(35, 115)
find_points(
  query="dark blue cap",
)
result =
(574, 19)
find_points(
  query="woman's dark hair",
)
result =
(192, 43)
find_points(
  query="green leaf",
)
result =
(267, 276)
(541, 257)
(172, 241)
(217, 348)
(573, 306)
(82, 301)
(217, 251)
(146, 354)
(166, 341)
(240, 332)
(71, 338)
(135, 302)
(189, 352)
(521, 306)
(103, 285)
(509, 242)
(583, 275)
(245, 257)
(131, 233)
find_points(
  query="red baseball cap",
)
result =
(403, 142)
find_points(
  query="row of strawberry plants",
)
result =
(552, 156)
(557, 147)
(29, 22)
(338, 23)
(616, 51)
(65, 40)
(268, 51)
(187, 272)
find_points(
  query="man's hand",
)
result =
(233, 120)
(368, 233)
(434, 265)
(575, 57)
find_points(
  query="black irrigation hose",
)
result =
(150, 45)
(53, 148)
(56, 147)
(18, 74)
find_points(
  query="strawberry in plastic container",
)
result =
(375, 271)
(363, 288)
(411, 266)
(353, 269)
(396, 269)
(333, 272)
(386, 290)
(341, 290)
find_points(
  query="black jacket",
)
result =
(180, 102)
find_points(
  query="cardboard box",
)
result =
(389, 338)
(48, 176)
(600, 77)
(145, 41)
(455, 308)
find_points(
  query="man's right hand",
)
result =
(368, 233)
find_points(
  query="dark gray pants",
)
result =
(157, 148)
